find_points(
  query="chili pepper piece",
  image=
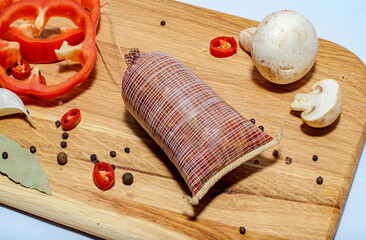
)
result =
(222, 47)
(70, 119)
(103, 175)
(22, 70)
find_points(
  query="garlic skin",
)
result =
(322, 106)
(10, 104)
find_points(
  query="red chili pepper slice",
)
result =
(70, 119)
(103, 175)
(22, 70)
(45, 47)
(84, 53)
(223, 47)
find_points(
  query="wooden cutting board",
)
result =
(272, 199)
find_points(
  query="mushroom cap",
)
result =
(322, 106)
(284, 47)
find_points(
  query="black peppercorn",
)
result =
(242, 230)
(288, 160)
(32, 149)
(315, 158)
(113, 166)
(63, 144)
(62, 158)
(5, 155)
(93, 157)
(252, 120)
(162, 23)
(113, 153)
(58, 123)
(319, 180)
(275, 153)
(127, 150)
(261, 128)
(127, 178)
(65, 135)
(256, 161)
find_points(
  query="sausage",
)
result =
(203, 136)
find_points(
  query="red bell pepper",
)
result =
(223, 47)
(45, 47)
(103, 175)
(84, 53)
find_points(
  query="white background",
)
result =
(342, 22)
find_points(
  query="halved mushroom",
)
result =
(322, 106)
(283, 46)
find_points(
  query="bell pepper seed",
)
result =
(62, 158)
(127, 178)
(65, 135)
(33, 149)
(5, 155)
(63, 144)
(242, 230)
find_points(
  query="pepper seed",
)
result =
(127, 178)
(63, 144)
(315, 158)
(5, 155)
(113, 153)
(62, 158)
(242, 230)
(288, 160)
(58, 123)
(32, 149)
(65, 135)
(319, 180)
(93, 157)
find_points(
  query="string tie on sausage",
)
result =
(131, 55)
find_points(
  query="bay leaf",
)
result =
(22, 166)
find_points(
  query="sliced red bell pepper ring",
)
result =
(223, 47)
(45, 47)
(103, 175)
(85, 52)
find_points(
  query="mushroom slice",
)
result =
(322, 106)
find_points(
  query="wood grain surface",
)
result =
(272, 200)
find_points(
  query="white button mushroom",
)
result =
(284, 46)
(322, 106)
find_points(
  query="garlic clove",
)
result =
(246, 37)
(10, 104)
